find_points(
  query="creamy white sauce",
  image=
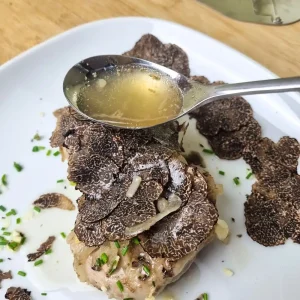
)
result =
(57, 270)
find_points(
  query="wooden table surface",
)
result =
(25, 23)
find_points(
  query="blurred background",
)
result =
(25, 23)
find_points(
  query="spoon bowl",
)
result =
(194, 94)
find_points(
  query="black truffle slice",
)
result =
(181, 180)
(17, 293)
(266, 219)
(183, 231)
(92, 210)
(230, 145)
(89, 233)
(92, 172)
(42, 249)
(168, 55)
(133, 211)
(51, 200)
(226, 115)
(285, 153)
(66, 122)
(5, 275)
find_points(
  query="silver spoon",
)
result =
(194, 94)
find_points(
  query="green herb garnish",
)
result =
(120, 285)
(1, 260)
(63, 235)
(18, 221)
(236, 180)
(208, 151)
(146, 270)
(204, 296)
(60, 181)
(221, 172)
(56, 153)
(13, 245)
(117, 244)
(12, 212)
(124, 250)
(114, 265)
(249, 175)
(38, 262)
(128, 299)
(44, 294)
(104, 258)
(49, 251)
(18, 167)
(136, 241)
(37, 209)
(4, 179)
(37, 137)
(48, 152)
(153, 283)
(2, 208)
(38, 148)
(21, 273)
(23, 240)
(6, 233)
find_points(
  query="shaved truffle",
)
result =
(230, 145)
(5, 275)
(168, 55)
(183, 231)
(17, 293)
(133, 211)
(42, 249)
(92, 172)
(226, 115)
(54, 200)
(265, 153)
(89, 233)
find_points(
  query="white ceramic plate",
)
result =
(31, 86)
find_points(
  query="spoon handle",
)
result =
(279, 85)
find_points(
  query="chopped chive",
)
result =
(56, 153)
(35, 149)
(23, 240)
(136, 241)
(11, 212)
(4, 179)
(3, 243)
(236, 180)
(153, 283)
(249, 175)
(208, 151)
(38, 262)
(63, 235)
(13, 245)
(49, 251)
(21, 273)
(60, 180)
(1, 260)
(37, 209)
(124, 250)
(18, 221)
(37, 137)
(204, 296)
(72, 183)
(114, 265)
(221, 172)
(98, 262)
(2, 208)
(44, 294)
(128, 299)
(3, 228)
(18, 167)
(146, 270)
(104, 258)
(48, 152)
(117, 244)
(120, 285)
(6, 233)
